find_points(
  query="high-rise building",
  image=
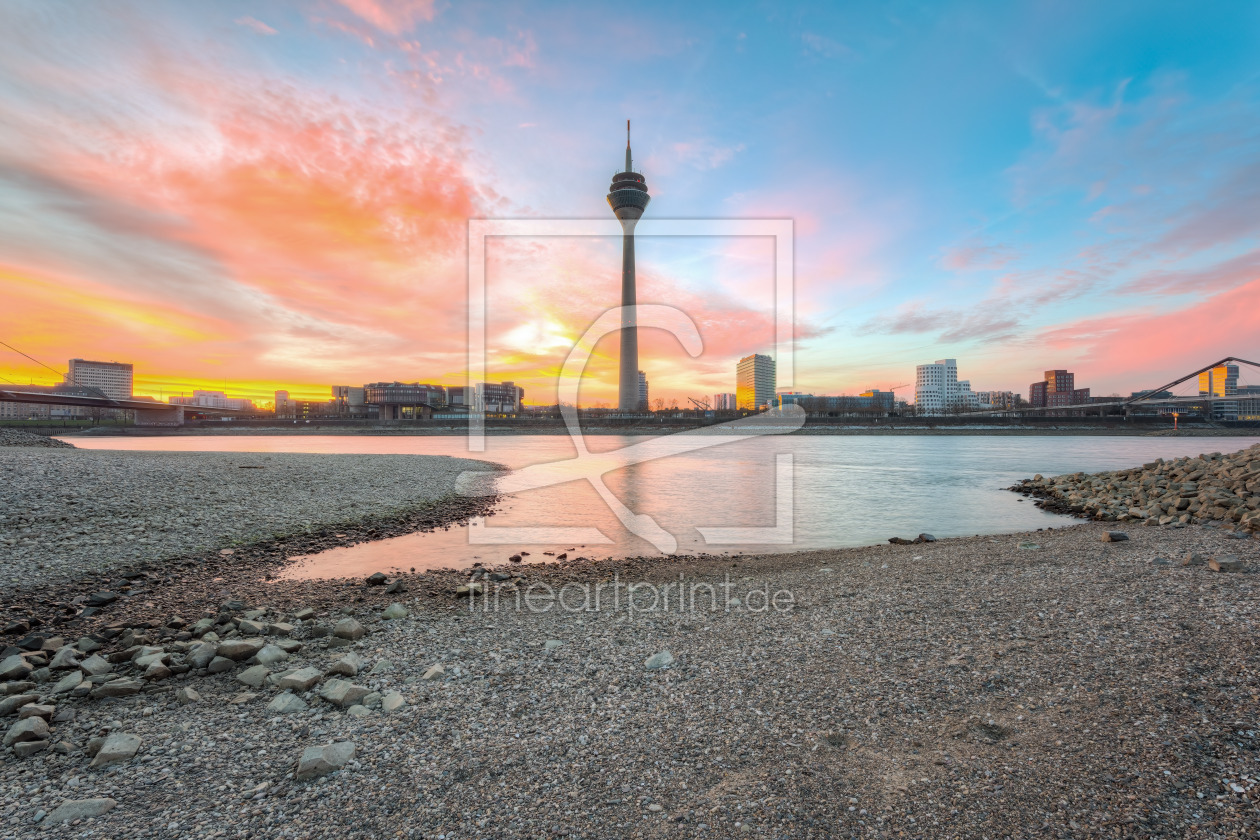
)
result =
(282, 403)
(724, 402)
(938, 390)
(754, 382)
(628, 198)
(1220, 381)
(113, 379)
(643, 391)
(1057, 390)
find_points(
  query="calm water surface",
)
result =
(845, 490)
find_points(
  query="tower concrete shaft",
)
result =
(628, 198)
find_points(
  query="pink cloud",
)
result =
(394, 17)
(256, 25)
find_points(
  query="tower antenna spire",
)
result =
(628, 145)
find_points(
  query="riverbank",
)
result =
(1036, 684)
(68, 513)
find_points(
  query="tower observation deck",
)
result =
(628, 197)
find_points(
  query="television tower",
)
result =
(628, 198)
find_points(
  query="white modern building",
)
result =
(214, 399)
(113, 379)
(755, 382)
(938, 390)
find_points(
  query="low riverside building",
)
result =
(213, 399)
(873, 403)
(396, 401)
(1057, 390)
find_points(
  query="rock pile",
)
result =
(1184, 491)
(17, 437)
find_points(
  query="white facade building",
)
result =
(723, 402)
(113, 379)
(938, 390)
(214, 399)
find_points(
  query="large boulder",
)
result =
(320, 761)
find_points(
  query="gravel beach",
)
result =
(1063, 683)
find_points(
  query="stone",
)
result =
(394, 611)
(301, 680)
(468, 590)
(238, 650)
(243, 697)
(79, 809)
(347, 666)
(659, 660)
(65, 659)
(395, 588)
(1193, 559)
(37, 710)
(304, 613)
(14, 668)
(86, 644)
(289, 646)
(199, 655)
(1225, 563)
(254, 677)
(435, 672)
(286, 703)
(101, 599)
(118, 746)
(925, 538)
(320, 761)
(95, 666)
(117, 688)
(359, 711)
(145, 661)
(552, 644)
(187, 695)
(348, 628)
(29, 748)
(392, 702)
(251, 628)
(343, 693)
(270, 655)
(27, 729)
(220, 664)
(1115, 536)
(383, 666)
(376, 579)
(13, 702)
(900, 541)
(281, 628)
(157, 670)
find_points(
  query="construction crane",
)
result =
(703, 405)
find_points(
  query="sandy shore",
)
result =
(1046, 684)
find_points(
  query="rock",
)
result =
(29, 748)
(552, 644)
(27, 729)
(95, 666)
(37, 710)
(1225, 563)
(320, 761)
(239, 650)
(302, 680)
(247, 627)
(68, 683)
(117, 688)
(348, 665)
(435, 672)
(254, 677)
(12, 703)
(383, 666)
(289, 646)
(1115, 536)
(395, 588)
(376, 579)
(304, 613)
(286, 703)
(86, 644)
(220, 664)
(270, 655)
(243, 697)
(1193, 559)
(201, 654)
(659, 660)
(348, 628)
(14, 668)
(900, 541)
(118, 746)
(359, 711)
(79, 809)
(281, 628)
(187, 695)
(157, 670)
(343, 693)
(394, 611)
(925, 538)
(65, 659)
(468, 590)
(101, 599)
(392, 702)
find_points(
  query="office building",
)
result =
(996, 400)
(754, 383)
(350, 401)
(112, 379)
(938, 390)
(213, 399)
(504, 398)
(1057, 390)
(724, 402)
(403, 400)
(628, 198)
(1220, 381)
(282, 402)
(643, 392)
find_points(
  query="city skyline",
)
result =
(265, 197)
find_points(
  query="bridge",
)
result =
(148, 412)
(1148, 397)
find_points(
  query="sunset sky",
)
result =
(248, 196)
